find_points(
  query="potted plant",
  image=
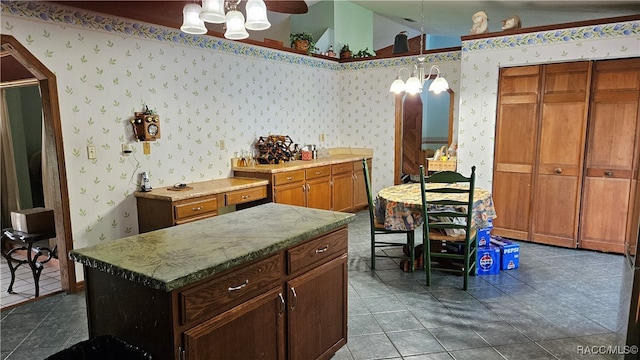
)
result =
(302, 41)
(345, 52)
(363, 53)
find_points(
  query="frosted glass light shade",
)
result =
(257, 15)
(191, 22)
(439, 85)
(414, 85)
(213, 11)
(235, 26)
(397, 86)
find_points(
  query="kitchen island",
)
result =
(265, 282)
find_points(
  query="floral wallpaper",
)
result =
(216, 97)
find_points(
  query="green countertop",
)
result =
(171, 258)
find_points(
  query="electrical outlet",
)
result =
(126, 149)
(146, 148)
(91, 152)
(221, 144)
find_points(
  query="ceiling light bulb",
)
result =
(213, 11)
(439, 85)
(414, 85)
(397, 86)
(191, 22)
(257, 15)
(235, 26)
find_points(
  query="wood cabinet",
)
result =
(349, 191)
(566, 135)
(165, 207)
(337, 186)
(288, 305)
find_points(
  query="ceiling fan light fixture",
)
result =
(213, 11)
(257, 15)
(235, 26)
(191, 22)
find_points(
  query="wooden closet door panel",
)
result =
(515, 149)
(561, 144)
(612, 157)
(604, 214)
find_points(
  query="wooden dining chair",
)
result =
(378, 229)
(441, 213)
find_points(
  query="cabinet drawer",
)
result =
(196, 208)
(318, 251)
(342, 168)
(245, 195)
(220, 294)
(318, 172)
(288, 177)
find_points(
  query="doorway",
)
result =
(19, 65)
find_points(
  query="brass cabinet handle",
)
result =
(234, 288)
(558, 171)
(245, 196)
(608, 173)
(289, 177)
(318, 172)
(197, 208)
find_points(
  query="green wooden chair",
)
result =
(440, 215)
(378, 229)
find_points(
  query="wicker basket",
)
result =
(433, 165)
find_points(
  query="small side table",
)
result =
(26, 242)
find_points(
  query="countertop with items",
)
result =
(174, 257)
(302, 164)
(201, 188)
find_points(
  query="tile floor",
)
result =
(24, 287)
(557, 302)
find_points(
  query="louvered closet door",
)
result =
(612, 156)
(515, 150)
(558, 175)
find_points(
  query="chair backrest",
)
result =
(367, 183)
(447, 199)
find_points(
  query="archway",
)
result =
(56, 183)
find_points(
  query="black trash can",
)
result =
(104, 347)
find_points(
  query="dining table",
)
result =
(399, 207)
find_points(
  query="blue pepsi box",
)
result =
(509, 252)
(488, 260)
(484, 235)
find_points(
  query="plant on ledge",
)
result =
(363, 53)
(302, 41)
(345, 52)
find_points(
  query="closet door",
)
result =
(515, 150)
(558, 175)
(612, 156)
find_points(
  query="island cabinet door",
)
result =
(317, 311)
(252, 330)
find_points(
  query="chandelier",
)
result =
(213, 11)
(417, 78)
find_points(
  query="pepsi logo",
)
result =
(486, 261)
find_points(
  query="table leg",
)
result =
(10, 260)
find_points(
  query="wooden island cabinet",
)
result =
(226, 287)
(333, 183)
